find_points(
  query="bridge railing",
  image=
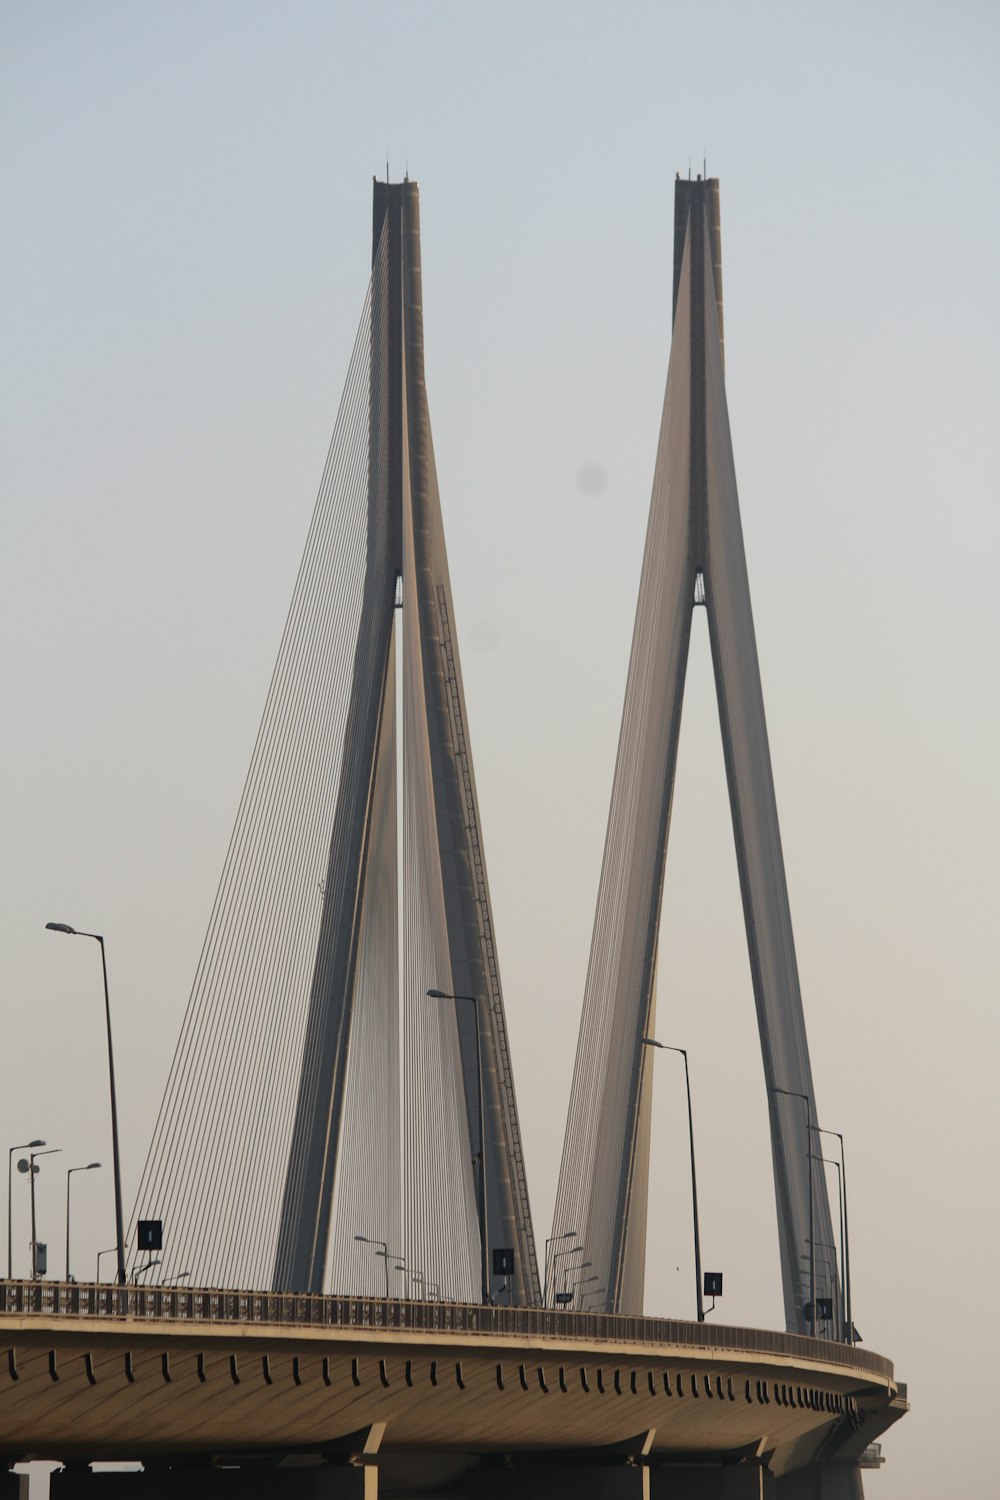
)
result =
(213, 1305)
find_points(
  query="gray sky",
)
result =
(185, 199)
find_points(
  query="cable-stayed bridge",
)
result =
(337, 1159)
(317, 1091)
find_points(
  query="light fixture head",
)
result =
(60, 927)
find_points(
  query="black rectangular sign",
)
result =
(149, 1234)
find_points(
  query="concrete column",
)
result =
(331, 1482)
(545, 1480)
(750, 1481)
(746, 1481)
(832, 1481)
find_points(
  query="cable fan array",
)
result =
(218, 1168)
(598, 1163)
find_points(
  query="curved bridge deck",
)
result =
(98, 1372)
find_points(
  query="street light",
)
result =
(831, 1261)
(649, 1041)
(848, 1311)
(831, 1161)
(569, 1235)
(598, 1291)
(584, 1265)
(72, 932)
(363, 1239)
(828, 1261)
(794, 1094)
(483, 1223)
(32, 1171)
(111, 1251)
(141, 1270)
(27, 1146)
(88, 1168)
(561, 1255)
(585, 1282)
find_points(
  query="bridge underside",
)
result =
(429, 1406)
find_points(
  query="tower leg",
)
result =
(745, 1481)
(591, 1481)
(330, 1482)
(831, 1481)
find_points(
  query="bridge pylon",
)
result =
(694, 556)
(325, 1119)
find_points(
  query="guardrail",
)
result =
(112, 1302)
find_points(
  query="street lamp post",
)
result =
(584, 1265)
(119, 1221)
(649, 1041)
(32, 1171)
(27, 1146)
(828, 1260)
(794, 1094)
(111, 1250)
(560, 1255)
(483, 1220)
(848, 1310)
(831, 1161)
(569, 1235)
(88, 1168)
(586, 1280)
(141, 1270)
(364, 1239)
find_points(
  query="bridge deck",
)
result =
(97, 1372)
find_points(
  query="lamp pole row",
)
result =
(364, 1239)
(570, 1234)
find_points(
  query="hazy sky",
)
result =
(185, 204)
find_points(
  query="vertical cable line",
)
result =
(216, 1154)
